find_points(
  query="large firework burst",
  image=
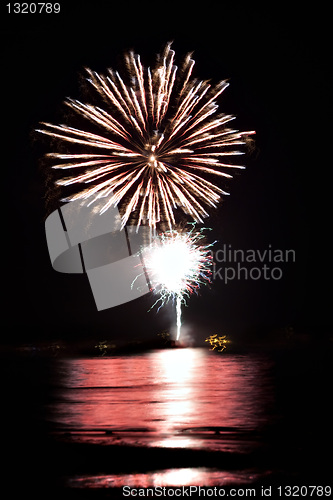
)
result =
(162, 142)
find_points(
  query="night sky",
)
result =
(279, 67)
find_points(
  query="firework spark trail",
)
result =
(160, 137)
(179, 315)
(177, 263)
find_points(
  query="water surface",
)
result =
(187, 398)
(174, 395)
(168, 417)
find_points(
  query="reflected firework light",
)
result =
(177, 264)
(155, 143)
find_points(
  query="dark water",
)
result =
(169, 417)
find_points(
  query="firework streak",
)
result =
(160, 140)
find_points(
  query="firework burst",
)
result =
(177, 264)
(161, 146)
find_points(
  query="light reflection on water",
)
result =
(199, 476)
(166, 391)
(183, 398)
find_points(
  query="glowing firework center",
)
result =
(171, 264)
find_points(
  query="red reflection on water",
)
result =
(190, 477)
(177, 397)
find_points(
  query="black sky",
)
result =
(279, 65)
